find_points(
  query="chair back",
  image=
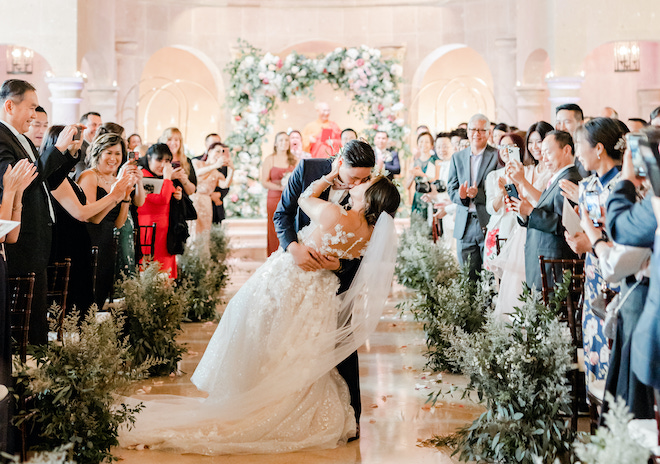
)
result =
(147, 240)
(58, 287)
(499, 243)
(20, 291)
(552, 271)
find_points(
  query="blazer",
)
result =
(394, 166)
(32, 250)
(459, 173)
(545, 231)
(628, 221)
(289, 218)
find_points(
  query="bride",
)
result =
(269, 367)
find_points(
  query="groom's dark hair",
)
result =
(359, 154)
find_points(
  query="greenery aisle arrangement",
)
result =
(202, 276)
(519, 369)
(444, 297)
(153, 306)
(72, 390)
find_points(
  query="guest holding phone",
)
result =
(600, 147)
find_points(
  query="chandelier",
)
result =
(626, 56)
(19, 60)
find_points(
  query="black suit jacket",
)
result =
(31, 252)
(545, 231)
(289, 219)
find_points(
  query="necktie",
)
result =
(30, 153)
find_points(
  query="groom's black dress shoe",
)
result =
(357, 435)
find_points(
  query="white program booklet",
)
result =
(152, 185)
(7, 226)
(570, 219)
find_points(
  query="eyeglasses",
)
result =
(481, 131)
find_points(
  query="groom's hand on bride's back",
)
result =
(309, 259)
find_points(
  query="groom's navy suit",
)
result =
(289, 219)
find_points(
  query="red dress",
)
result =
(276, 174)
(156, 209)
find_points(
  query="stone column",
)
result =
(65, 98)
(647, 101)
(104, 101)
(532, 105)
(129, 70)
(505, 81)
(563, 90)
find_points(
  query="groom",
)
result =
(355, 165)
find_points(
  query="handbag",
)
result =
(177, 233)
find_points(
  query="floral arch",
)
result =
(259, 81)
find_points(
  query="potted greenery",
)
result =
(71, 388)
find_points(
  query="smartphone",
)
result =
(514, 153)
(651, 156)
(176, 164)
(592, 202)
(133, 156)
(78, 133)
(512, 191)
(637, 159)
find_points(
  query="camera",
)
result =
(423, 187)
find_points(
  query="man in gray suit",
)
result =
(466, 187)
(545, 231)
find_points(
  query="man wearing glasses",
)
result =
(468, 169)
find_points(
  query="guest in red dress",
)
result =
(273, 170)
(156, 207)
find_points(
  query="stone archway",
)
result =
(180, 87)
(451, 84)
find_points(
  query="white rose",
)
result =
(253, 149)
(353, 53)
(396, 70)
(244, 157)
(295, 69)
(397, 107)
(303, 73)
(248, 61)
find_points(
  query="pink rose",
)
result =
(360, 62)
(234, 198)
(375, 126)
(381, 107)
(391, 117)
(237, 117)
(279, 63)
(265, 81)
(264, 111)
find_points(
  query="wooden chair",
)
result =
(570, 312)
(58, 288)
(95, 268)
(436, 229)
(499, 243)
(147, 236)
(20, 291)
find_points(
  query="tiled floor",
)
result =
(394, 391)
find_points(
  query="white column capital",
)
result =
(65, 98)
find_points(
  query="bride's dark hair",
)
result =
(381, 196)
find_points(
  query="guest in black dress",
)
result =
(106, 155)
(70, 236)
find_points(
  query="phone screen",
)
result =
(637, 159)
(592, 202)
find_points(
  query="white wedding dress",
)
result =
(269, 367)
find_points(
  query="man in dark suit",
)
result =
(545, 231)
(387, 159)
(466, 186)
(355, 165)
(32, 250)
(92, 121)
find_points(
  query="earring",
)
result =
(598, 155)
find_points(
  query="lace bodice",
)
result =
(337, 243)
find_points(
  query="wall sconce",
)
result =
(626, 56)
(19, 60)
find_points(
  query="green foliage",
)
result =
(72, 389)
(445, 298)
(612, 444)
(520, 370)
(202, 276)
(153, 307)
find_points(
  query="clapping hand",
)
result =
(472, 190)
(19, 176)
(569, 190)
